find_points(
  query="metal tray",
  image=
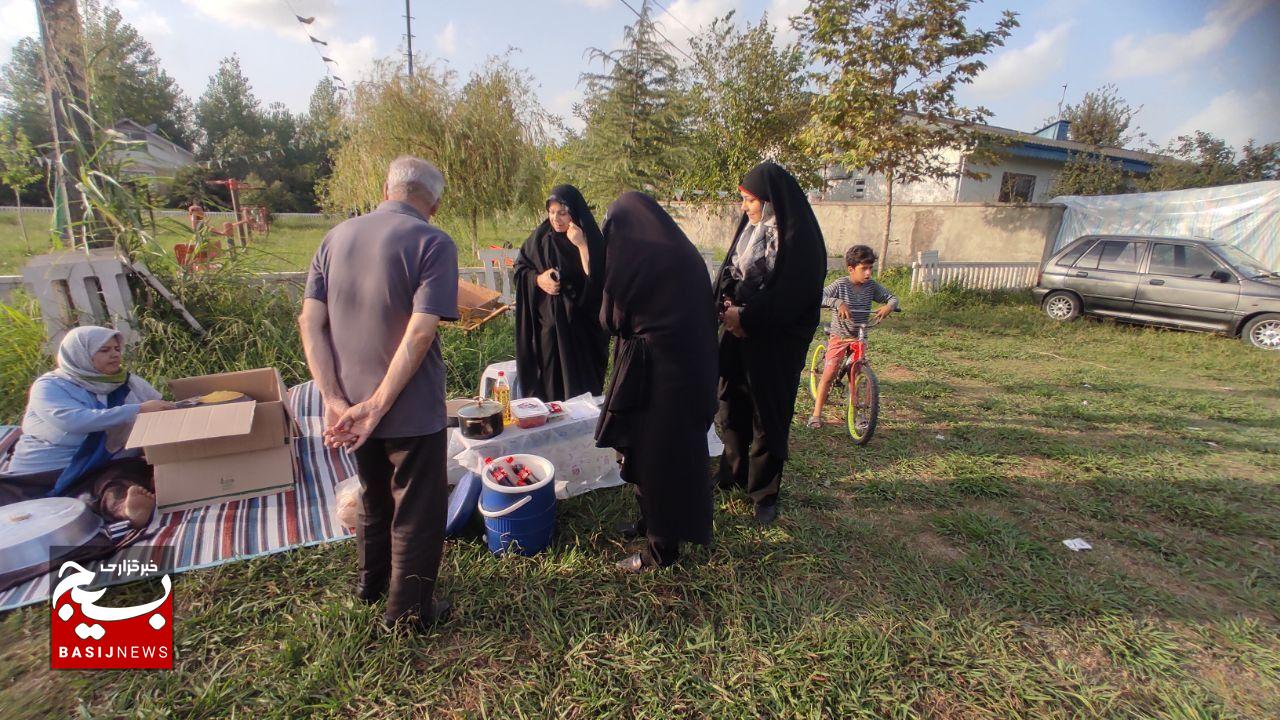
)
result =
(30, 529)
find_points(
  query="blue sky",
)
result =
(1190, 64)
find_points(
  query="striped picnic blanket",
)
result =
(242, 529)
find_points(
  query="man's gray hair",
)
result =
(415, 176)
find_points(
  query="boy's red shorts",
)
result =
(837, 348)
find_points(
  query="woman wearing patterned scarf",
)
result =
(75, 426)
(769, 294)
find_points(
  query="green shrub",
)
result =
(248, 325)
(22, 356)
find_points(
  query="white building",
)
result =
(149, 154)
(1024, 172)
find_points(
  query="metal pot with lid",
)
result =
(480, 420)
(31, 529)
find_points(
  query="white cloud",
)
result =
(1132, 56)
(562, 105)
(595, 3)
(780, 14)
(689, 15)
(1237, 116)
(1020, 68)
(128, 4)
(447, 40)
(151, 24)
(355, 59)
(17, 20)
(270, 15)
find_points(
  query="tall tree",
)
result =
(1102, 118)
(749, 104)
(124, 78)
(230, 119)
(1259, 162)
(887, 76)
(497, 129)
(637, 116)
(485, 137)
(321, 129)
(17, 166)
(22, 89)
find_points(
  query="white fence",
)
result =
(928, 274)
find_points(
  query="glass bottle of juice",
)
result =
(502, 393)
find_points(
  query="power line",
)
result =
(655, 29)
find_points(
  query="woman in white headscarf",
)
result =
(75, 426)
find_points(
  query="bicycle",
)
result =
(864, 389)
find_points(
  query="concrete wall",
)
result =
(972, 232)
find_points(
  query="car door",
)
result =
(1178, 286)
(1107, 275)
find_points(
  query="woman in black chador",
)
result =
(662, 394)
(769, 294)
(561, 351)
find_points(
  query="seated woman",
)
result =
(74, 429)
(561, 350)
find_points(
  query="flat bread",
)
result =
(217, 397)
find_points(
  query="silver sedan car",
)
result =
(1188, 283)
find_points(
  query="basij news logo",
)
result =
(100, 623)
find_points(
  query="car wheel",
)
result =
(1263, 332)
(1062, 306)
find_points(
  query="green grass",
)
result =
(289, 246)
(922, 576)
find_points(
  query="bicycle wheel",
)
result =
(816, 360)
(864, 403)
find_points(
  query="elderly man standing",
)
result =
(378, 287)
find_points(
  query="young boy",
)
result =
(851, 298)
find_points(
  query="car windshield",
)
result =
(1242, 261)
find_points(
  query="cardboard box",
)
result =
(478, 305)
(208, 455)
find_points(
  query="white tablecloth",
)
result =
(568, 442)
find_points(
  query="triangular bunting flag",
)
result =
(306, 21)
(318, 41)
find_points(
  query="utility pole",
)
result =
(408, 35)
(68, 97)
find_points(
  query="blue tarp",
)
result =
(1246, 215)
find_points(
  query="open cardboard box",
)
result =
(213, 454)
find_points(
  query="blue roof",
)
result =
(1061, 154)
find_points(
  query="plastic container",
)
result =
(529, 412)
(522, 519)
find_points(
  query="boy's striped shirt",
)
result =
(858, 299)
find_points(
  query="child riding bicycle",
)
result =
(851, 298)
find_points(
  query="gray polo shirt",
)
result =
(373, 272)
